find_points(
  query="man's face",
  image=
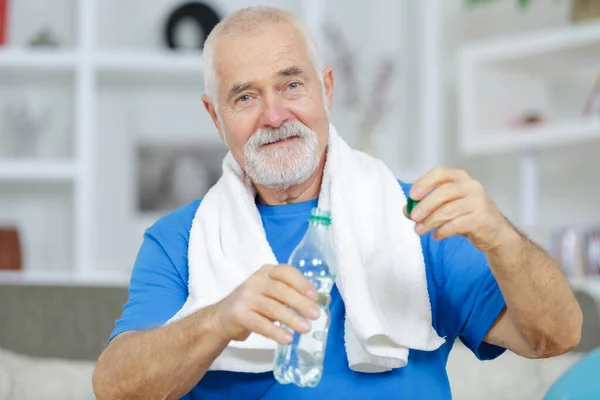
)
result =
(272, 105)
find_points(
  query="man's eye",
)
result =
(294, 85)
(244, 98)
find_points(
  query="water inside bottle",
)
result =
(301, 362)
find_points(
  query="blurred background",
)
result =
(102, 131)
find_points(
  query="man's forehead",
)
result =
(266, 53)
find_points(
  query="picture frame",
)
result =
(172, 175)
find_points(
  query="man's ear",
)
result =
(210, 107)
(328, 86)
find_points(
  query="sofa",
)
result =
(50, 337)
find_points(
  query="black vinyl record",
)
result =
(204, 16)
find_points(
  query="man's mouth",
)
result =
(281, 142)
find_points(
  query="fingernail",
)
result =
(415, 191)
(314, 312)
(418, 228)
(312, 293)
(305, 325)
(286, 338)
(416, 214)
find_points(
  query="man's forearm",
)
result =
(164, 363)
(540, 302)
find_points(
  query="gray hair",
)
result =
(248, 21)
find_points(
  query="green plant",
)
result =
(521, 3)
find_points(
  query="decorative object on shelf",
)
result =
(189, 25)
(3, 21)
(376, 105)
(26, 118)
(521, 3)
(582, 10)
(528, 118)
(169, 176)
(592, 104)
(346, 62)
(45, 38)
(10, 249)
(567, 249)
(591, 251)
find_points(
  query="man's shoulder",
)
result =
(178, 220)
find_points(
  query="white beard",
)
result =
(282, 167)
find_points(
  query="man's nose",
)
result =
(274, 112)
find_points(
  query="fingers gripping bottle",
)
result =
(301, 362)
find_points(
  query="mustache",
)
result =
(264, 136)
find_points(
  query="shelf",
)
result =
(106, 61)
(37, 60)
(64, 279)
(524, 139)
(154, 62)
(572, 52)
(37, 171)
(573, 38)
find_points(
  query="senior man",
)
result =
(269, 97)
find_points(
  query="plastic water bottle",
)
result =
(301, 362)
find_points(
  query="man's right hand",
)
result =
(269, 295)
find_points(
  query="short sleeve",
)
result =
(158, 286)
(469, 300)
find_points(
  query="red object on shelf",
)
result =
(10, 249)
(3, 21)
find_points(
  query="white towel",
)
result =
(381, 270)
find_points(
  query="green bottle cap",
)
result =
(410, 204)
(320, 215)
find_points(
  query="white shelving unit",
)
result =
(37, 171)
(501, 78)
(42, 278)
(42, 61)
(550, 73)
(98, 74)
(534, 138)
(145, 61)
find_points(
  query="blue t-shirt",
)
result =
(464, 295)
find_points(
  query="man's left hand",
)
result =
(453, 203)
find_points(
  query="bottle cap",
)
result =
(410, 204)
